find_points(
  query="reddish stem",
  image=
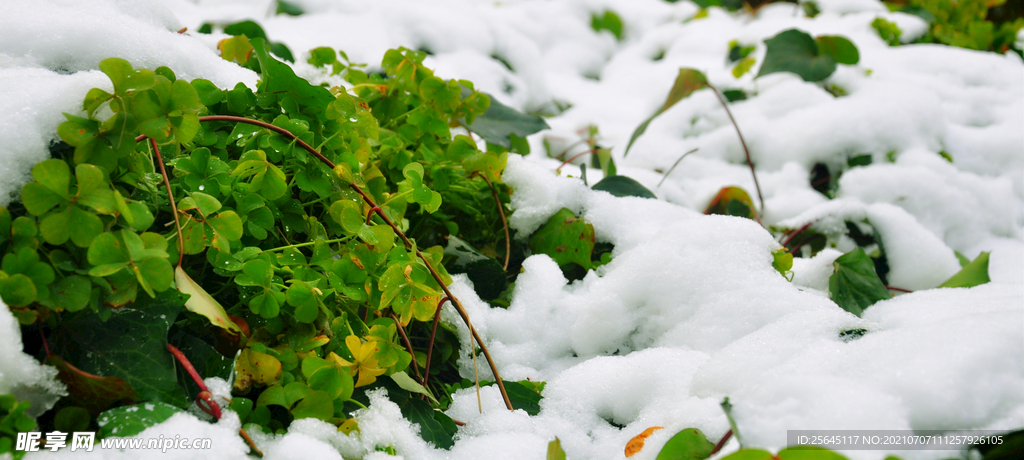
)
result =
(170, 196)
(405, 239)
(252, 444)
(369, 215)
(894, 288)
(433, 332)
(559, 168)
(794, 234)
(721, 443)
(408, 346)
(504, 223)
(742, 142)
(205, 399)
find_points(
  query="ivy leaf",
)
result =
(623, 186)
(796, 52)
(499, 121)
(855, 286)
(689, 444)
(435, 427)
(688, 81)
(566, 238)
(128, 421)
(92, 392)
(131, 345)
(972, 274)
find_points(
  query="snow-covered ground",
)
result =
(690, 310)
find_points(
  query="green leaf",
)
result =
(408, 384)
(319, 404)
(124, 77)
(749, 454)
(623, 186)
(566, 238)
(486, 273)
(808, 453)
(608, 21)
(689, 444)
(278, 78)
(523, 397)
(17, 290)
(94, 190)
(796, 52)
(688, 81)
(972, 274)
(127, 421)
(555, 451)
(435, 427)
(782, 261)
(131, 345)
(499, 121)
(840, 48)
(855, 286)
(71, 293)
(248, 28)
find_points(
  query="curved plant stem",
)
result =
(252, 445)
(794, 234)
(405, 239)
(433, 333)
(504, 223)
(897, 289)
(750, 162)
(721, 443)
(170, 196)
(205, 399)
(559, 168)
(665, 176)
(408, 345)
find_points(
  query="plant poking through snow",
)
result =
(320, 266)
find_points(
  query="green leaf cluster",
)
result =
(813, 59)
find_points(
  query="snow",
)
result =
(689, 310)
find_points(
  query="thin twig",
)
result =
(721, 443)
(665, 176)
(559, 168)
(405, 239)
(252, 445)
(408, 345)
(794, 234)
(433, 333)
(898, 289)
(750, 162)
(504, 223)
(170, 196)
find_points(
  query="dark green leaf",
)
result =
(523, 397)
(499, 121)
(486, 273)
(131, 345)
(607, 21)
(749, 454)
(248, 28)
(855, 286)
(435, 427)
(840, 48)
(623, 186)
(129, 421)
(795, 51)
(808, 453)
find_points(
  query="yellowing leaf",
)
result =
(201, 302)
(637, 443)
(255, 367)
